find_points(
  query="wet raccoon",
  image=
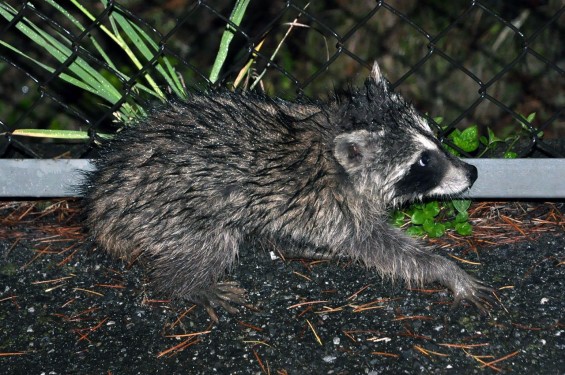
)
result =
(194, 180)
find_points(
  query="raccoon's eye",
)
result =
(425, 159)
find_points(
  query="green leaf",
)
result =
(60, 134)
(461, 205)
(462, 217)
(136, 40)
(397, 218)
(416, 231)
(91, 79)
(418, 217)
(148, 48)
(418, 206)
(464, 229)
(235, 17)
(52, 133)
(434, 229)
(492, 138)
(450, 149)
(97, 45)
(510, 155)
(431, 209)
(428, 225)
(468, 140)
(454, 134)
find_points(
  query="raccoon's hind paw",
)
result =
(222, 294)
(474, 291)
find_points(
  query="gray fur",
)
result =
(195, 179)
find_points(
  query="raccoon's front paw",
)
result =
(222, 294)
(468, 288)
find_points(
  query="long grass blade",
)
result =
(50, 133)
(117, 38)
(235, 17)
(64, 76)
(80, 135)
(98, 48)
(61, 53)
(167, 71)
(79, 26)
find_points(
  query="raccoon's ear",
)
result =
(351, 148)
(377, 75)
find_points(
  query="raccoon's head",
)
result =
(389, 152)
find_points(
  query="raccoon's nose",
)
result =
(472, 173)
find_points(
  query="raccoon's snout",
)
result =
(436, 174)
(458, 177)
(472, 174)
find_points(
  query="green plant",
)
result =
(491, 140)
(80, 73)
(434, 218)
(468, 140)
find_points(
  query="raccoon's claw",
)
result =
(222, 294)
(474, 291)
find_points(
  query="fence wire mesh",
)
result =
(485, 63)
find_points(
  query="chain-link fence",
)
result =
(499, 66)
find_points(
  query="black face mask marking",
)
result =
(424, 175)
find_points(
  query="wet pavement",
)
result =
(69, 309)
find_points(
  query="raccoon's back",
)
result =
(213, 160)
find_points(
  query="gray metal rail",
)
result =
(498, 178)
(519, 178)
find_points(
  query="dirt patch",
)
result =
(68, 308)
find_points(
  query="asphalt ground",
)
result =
(68, 308)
